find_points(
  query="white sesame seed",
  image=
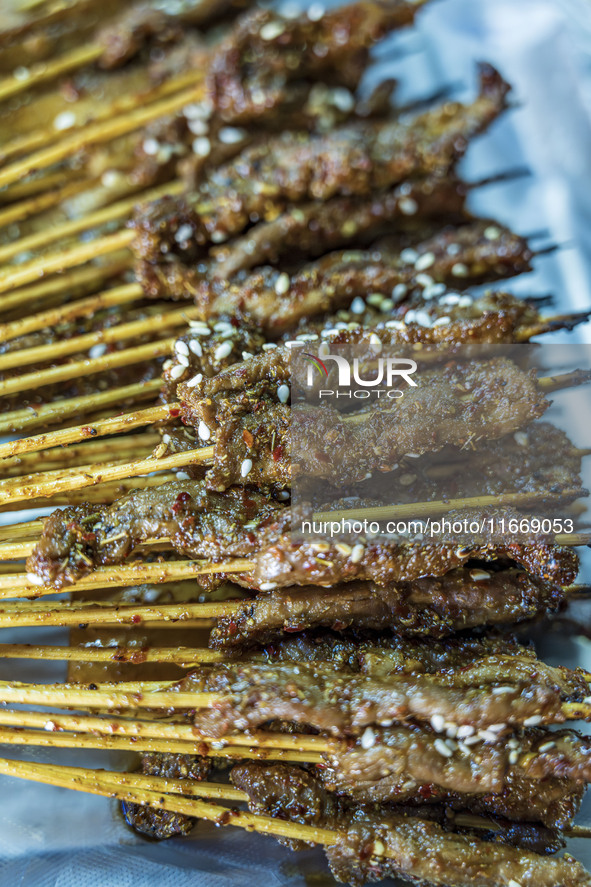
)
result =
(513, 757)
(267, 586)
(196, 380)
(34, 579)
(368, 738)
(231, 135)
(409, 256)
(487, 735)
(183, 361)
(438, 723)
(375, 299)
(500, 691)
(246, 355)
(217, 236)
(425, 261)
(443, 748)
(112, 177)
(513, 883)
(222, 325)
(343, 548)
(198, 127)
(246, 467)
(547, 746)
(422, 318)
(166, 438)
(97, 351)
(424, 280)
(177, 371)
(442, 321)
(201, 146)
(497, 728)
(395, 325)
(271, 30)
(465, 730)
(399, 291)
(282, 495)
(342, 99)
(49, 726)
(465, 301)
(21, 73)
(450, 299)
(460, 270)
(182, 475)
(521, 438)
(316, 12)
(357, 305)
(479, 575)
(324, 349)
(222, 351)
(195, 348)
(492, 232)
(181, 347)
(283, 393)
(451, 730)
(453, 249)
(534, 721)
(195, 110)
(472, 740)
(151, 146)
(64, 120)
(269, 346)
(203, 431)
(282, 284)
(433, 291)
(386, 306)
(184, 233)
(453, 746)
(408, 206)
(357, 553)
(376, 343)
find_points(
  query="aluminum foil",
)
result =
(53, 837)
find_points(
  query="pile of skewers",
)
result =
(368, 695)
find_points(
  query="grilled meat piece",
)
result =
(491, 776)
(498, 399)
(242, 522)
(279, 301)
(342, 704)
(357, 159)
(381, 842)
(433, 607)
(161, 824)
(266, 53)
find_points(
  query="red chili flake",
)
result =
(181, 500)
(88, 430)
(224, 819)
(88, 537)
(426, 792)
(174, 412)
(232, 627)
(247, 438)
(203, 749)
(278, 453)
(136, 618)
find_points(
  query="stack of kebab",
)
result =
(466, 729)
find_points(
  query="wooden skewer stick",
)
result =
(67, 258)
(98, 133)
(552, 324)
(29, 486)
(18, 212)
(182, 656)
(40, 138)
(111, 213)
(44, 71)
(79, 454)
(51, 413)
(119, 295)
(421, 509)
(155, 729)
(82, 280)
(102, 494)
(20, 585)
(113, 425)
(108, 785)
(155, 322)
(41, 738)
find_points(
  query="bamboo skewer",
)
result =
(102, 494)
(111, 213)
(44, 71)
(83, 279)
(117, 296)
(97, 133)
(183, 656)
(39, 203)
(51, 413)
(153, 324)
(80, 454)
(110, 786)
(67, 258)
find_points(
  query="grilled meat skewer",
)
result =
(419, 849)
